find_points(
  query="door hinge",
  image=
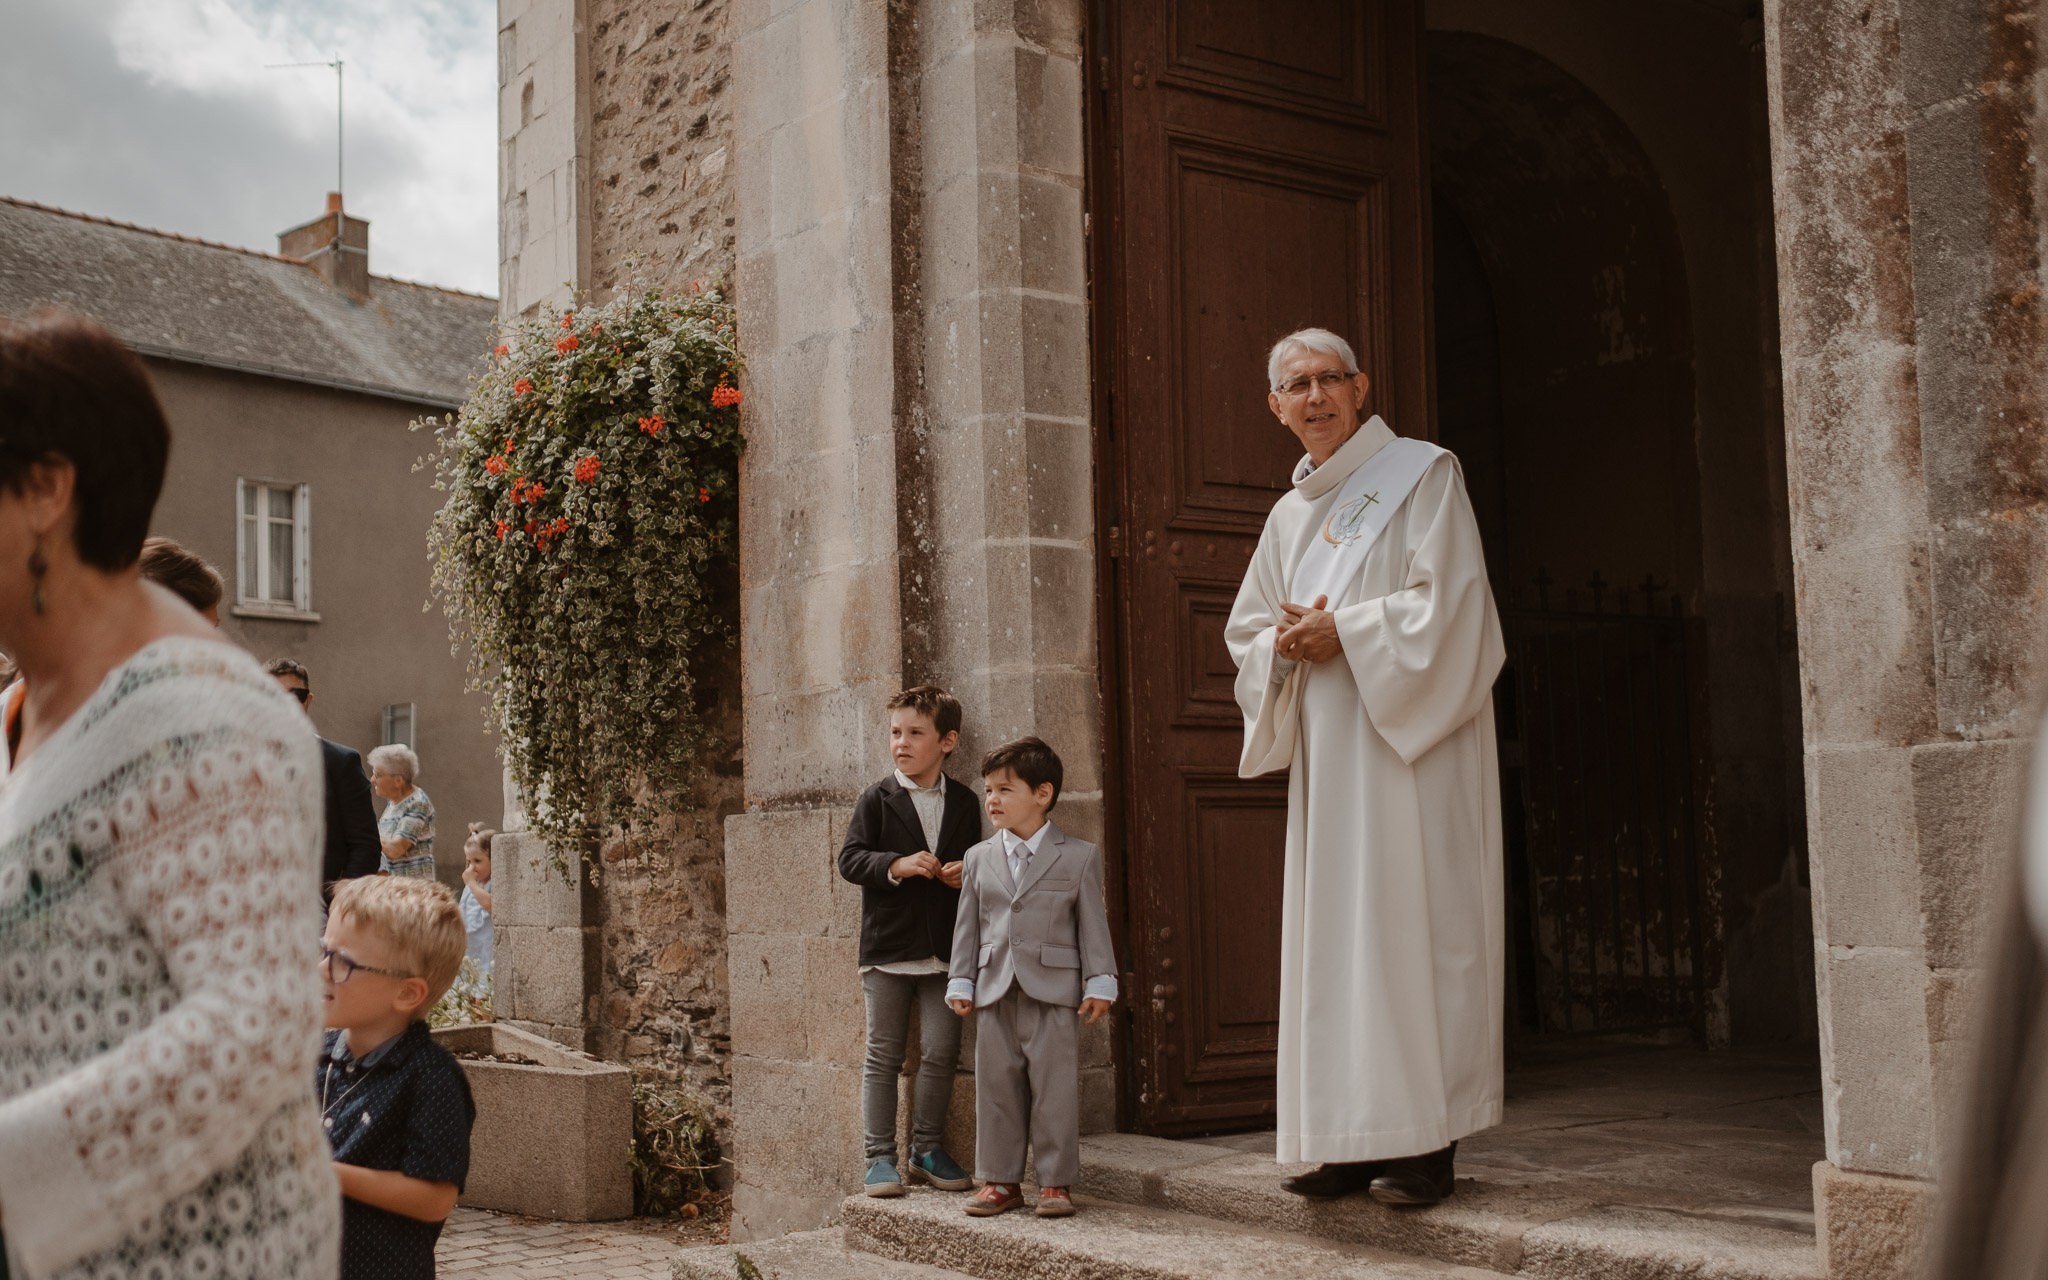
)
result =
(1116, 542)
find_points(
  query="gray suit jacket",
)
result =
(1046, 935)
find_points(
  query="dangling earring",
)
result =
(37, 567)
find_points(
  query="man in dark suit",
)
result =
(903, 848)
(352, 848)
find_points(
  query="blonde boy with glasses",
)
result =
(396, 1105)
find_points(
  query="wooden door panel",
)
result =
(1256, 243)
(1259, 169)
(1208, 678)
(1299, 55)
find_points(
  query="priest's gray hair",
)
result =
(1319, 340)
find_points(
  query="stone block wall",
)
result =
(660, 142)
(543, 154)
(1909, 247)
(915, 502)
(546, 961)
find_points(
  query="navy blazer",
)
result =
(352, 846)
(912, 920)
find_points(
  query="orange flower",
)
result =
(568, 319)
(723, 396)
(568, 344)
(652, 426)
(536, 493)
(499, 350)
(502, 527)
(521, 387)
(703, 495)
(531, 525)
(586, 470)
(495, 465)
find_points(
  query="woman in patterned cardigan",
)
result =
(159, 829)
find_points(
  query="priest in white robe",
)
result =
(1367, 642)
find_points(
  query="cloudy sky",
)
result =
(163, 113)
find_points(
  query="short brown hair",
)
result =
(287, 667)
(196, 582)
(1032, 761)
(70, 390)
(418, 917)
(483, 836)
(933, 703)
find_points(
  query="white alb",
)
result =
(159, 989)
(1392, 931)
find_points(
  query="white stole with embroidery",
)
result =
(1364, 504)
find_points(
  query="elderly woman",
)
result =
(159, 977)
(407, 827)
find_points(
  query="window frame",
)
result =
(252, 599)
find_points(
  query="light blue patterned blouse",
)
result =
(409, 819)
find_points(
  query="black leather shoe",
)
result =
(1330, 1181)
(1417, 1180)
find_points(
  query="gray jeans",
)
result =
(889, 997)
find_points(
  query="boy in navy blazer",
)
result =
(903, 848)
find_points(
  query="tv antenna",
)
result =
(336, 64)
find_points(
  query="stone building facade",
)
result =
(1800, 247)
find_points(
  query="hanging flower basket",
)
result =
(592, 481)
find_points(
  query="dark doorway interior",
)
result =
(1565, 382)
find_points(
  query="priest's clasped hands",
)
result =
(1308, 633)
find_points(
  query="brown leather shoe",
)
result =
(1054, 1202)
(994, 1198)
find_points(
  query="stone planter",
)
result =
(552, 1140)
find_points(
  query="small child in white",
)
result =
(1031, 923)
(476, 896)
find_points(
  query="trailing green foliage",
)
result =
(592, 482)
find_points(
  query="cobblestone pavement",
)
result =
(494, 1246)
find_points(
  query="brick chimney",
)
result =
(335, 245)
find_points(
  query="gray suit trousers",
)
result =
(1027, 1083)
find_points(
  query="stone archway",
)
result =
(1565, 371)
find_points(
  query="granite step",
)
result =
(805, 1255)
(1109, 1241)
(1560, 1229)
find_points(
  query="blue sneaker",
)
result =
(882, 1180)
(937, 1168)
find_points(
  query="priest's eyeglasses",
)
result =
(342, 966)
(1329, 380)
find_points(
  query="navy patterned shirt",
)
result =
(405, 1105)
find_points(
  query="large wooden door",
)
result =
(1257, 169)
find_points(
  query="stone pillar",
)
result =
(548, 945)
(1908, 250)
(543, 145)
(916, 496)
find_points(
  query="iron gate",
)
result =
(1598, 756)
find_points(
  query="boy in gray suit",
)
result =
(1031, 924)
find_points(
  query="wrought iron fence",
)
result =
(1600, 767)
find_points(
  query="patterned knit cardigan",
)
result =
(159, 985)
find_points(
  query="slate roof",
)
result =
(178, 298)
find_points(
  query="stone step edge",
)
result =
(1453, 1233)
(877, 1227)
(803, 1255)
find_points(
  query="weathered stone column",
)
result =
(543, 150)
(1908, 247)
(547, 938)
(915, 499)
(818, 582)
